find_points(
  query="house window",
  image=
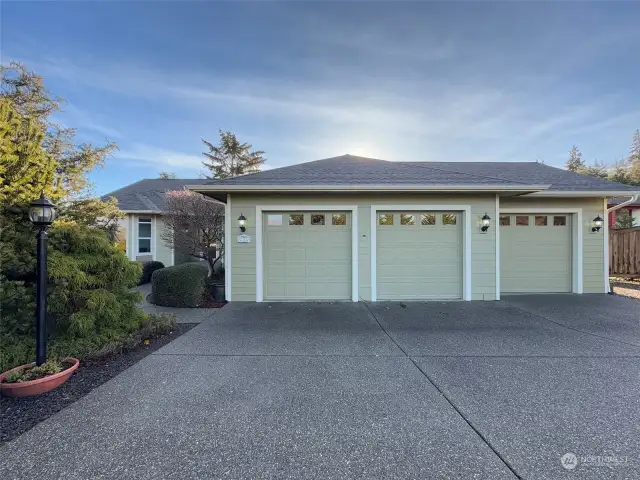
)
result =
(144, 235)
(317, 219)
(296, 219)
(505, 220)
(522, 220)
(274, 220)
(541, 221)
(339, 219)
(428, 219)
(560, 221)
(407, 219)
(385, 219)
(449, 218)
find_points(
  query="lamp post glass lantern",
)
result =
(42, 213)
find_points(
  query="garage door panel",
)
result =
(419, 262)
(535, 259)
(307, 262)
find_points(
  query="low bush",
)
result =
(179, 286)
(19, 350)
(147, 270)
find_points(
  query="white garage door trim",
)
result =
(466, 270)
(260, 209)
(576, 236)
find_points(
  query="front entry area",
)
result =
(419, 255)
(536, 253)
(307, 255)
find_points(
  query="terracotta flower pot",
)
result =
(36, 387)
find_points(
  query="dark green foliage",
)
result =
(147, 270)
(20, 349)
(179, 286)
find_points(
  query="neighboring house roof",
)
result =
(618, 200)
(149, 194)
(353, 171)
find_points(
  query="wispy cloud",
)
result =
(148, 155)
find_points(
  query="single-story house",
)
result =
(632, 208)
(351, 228)
(144, 203)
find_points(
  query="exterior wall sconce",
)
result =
(242, 222)
(486, 222)
(597, 224)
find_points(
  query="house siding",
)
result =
(483, 246)
(593, 243)
(159, 251)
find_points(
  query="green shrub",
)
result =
(179, 286)
(147, 270)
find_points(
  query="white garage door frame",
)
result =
(576, 239)
(466, 250)
(353, 209)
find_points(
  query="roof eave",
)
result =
(367, 188)
(148, 212)
(586, 193)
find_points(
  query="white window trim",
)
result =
(497, 228)
(466, 249)
(227, 249)
(260, 209)
(152, 243)
(577, 234)
(605, 232)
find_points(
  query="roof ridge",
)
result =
(421, 164)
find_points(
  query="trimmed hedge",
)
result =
(147, 270)
(179, 286)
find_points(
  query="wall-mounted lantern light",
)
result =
(42, 213)
(486, 221)
(242, 222)
(597, 224)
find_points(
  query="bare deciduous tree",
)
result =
(194, 224)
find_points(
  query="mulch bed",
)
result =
(626, 287)
(17, 415)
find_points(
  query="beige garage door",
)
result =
(307, 256)
(419, 255)
(535, 253)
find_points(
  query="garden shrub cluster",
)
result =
(147, 270)
(180, 285)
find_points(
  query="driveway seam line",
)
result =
(572, 328)
(444, 395)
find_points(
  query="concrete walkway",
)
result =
(473, 390)
(183, 315)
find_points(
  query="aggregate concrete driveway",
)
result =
(385, 390)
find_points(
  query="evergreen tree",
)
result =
(167, 176)
(575, 162)
(231, 158)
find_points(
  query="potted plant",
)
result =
(217, 286)
(30, 379)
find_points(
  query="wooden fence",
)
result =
(624, 252)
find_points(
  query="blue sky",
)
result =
(416, 81)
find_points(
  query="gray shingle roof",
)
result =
(150, 193)
(353, 170)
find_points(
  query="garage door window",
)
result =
(449, 219)
(428, 219)
(407, 219)
(505, 221)
(385, 219)
(296, 219)
(541, 221)
(560, 221)
(274, 220)
(317, 219)
(522, 220)
(339, 219)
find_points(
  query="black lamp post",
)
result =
(42, 214)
